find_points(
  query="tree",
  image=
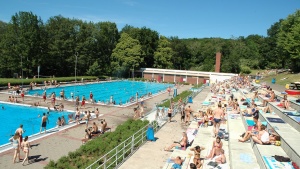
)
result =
(181, 56)
(105, 35)
(94, 70)
(289, 39)
(126, 55)
(163, 55)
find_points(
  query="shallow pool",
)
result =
(13, 115)
(121, 91)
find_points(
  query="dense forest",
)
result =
(60, 43)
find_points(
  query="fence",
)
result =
(124, 150)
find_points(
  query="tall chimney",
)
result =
(218, 62)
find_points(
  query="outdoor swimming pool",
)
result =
(121, 91)
(13, 115)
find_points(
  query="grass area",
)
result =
(12, 81)
(283, 78)
(182, 95)
(254, 71)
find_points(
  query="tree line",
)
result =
(97, 49)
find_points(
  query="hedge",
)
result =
(96, 148)
(12, 81)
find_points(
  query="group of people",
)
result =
(19, 144)
(93, 131)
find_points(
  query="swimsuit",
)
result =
(15, 144)
(44, 124)
(217, 120)
(26, 149)
(176, 166)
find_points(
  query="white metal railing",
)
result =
(120, 153)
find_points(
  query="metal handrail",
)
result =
(108, 160)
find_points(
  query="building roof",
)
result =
(185, 72)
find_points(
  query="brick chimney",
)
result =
(218, 62)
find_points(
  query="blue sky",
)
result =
(182, 18)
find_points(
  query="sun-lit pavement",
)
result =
(58, 144)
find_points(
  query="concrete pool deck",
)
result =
(59, 143)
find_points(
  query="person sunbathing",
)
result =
(267, 109)
(221, 159)
(236, 109)
(253, 131)
(88, 135)
(197, 160)
(177, 162)
(271, 99)
(216, 148)
(255, 96)
(182, 143)
(274, 137)
(284, 103)
(262, 137)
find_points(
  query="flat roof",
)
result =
(185, 72)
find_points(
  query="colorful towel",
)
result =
(274, 164)
(275, 120)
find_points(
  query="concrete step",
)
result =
(241, 153)
(289, 137)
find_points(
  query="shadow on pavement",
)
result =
(36, 158)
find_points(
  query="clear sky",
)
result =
(182, 18)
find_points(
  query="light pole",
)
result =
(76, 55)
(22, 69)
(133, 72)
(74, 94)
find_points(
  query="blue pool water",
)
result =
(14, 115)
(121, 91)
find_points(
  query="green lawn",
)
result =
(283, 78)
(254, 71)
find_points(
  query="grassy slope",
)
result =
(283, 78)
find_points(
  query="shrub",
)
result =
(12, 81)
(99, 146)
(245, 70)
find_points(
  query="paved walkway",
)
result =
(58, 144)
(152, 154)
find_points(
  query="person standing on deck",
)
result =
(20, 131)
(218, 114)
(44, 122)
(91, 97)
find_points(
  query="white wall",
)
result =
(218, 78)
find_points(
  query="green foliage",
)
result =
(163, 54)
(289, 39)
(94, 70)
(94, 149)
(127, 54)
(245, 70)
(182, 95)
(60, 43)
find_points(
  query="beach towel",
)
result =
(275, 120)
(272, 163)
(191, 134)
(296, 118)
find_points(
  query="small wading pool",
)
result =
(12, 115)
(121, 91)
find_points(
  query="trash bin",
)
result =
(190, 100)
(273, 81)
